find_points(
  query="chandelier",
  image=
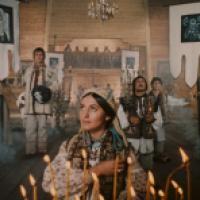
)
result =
(102, 9)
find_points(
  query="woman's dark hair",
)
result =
(154, 79)
(39, 49)
(134, 81)
(104, 105)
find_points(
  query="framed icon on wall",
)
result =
(6, 24)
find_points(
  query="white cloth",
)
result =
(178, 49)
(36, 134)
(21, 104)
(158, 125)
(122, 117)
(142, 145)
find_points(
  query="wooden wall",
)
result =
(159, 35)
(32, 27)
(55, 23)
(69, 20)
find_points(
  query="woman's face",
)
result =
(92, 116)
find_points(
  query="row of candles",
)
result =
(164, 195)
(150, 191)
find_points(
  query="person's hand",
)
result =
(149, 118)
(134, 120)
(107, 168)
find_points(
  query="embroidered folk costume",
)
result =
(110, 144)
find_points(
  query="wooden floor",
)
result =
(182, 130)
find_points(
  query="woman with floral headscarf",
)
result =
(102, 138)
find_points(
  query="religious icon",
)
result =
(6, 24)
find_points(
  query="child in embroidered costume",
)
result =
(100, 135)
(157, 98)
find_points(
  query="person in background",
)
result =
(157, 98)
(102, 139)
(109, 89)
(140, 132)
(35, 111)
(5, 133)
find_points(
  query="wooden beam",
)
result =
(47, 24)
(148, 42)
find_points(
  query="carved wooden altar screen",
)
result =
(95, 65)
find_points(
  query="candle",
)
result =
(188, 181)
(151, 178)
(185, 160)
(184, 164)
(95, 190)
(101, 197)
(147, 190)
(175, 186)
(132, 191)
(152, 192)
(180, 191)
(23, 192)
(150, 182)
(53, 192)
(84, 155)
(161, 194)
(68, 165)
(76, 197)
(129, 162)
(115, 177)
(184, 156)
(33, 184)
(46, 159)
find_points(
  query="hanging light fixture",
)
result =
(102, 9)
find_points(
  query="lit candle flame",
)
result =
(161, 193)
(175, 184)
(184, 156)
(32, 180)
(46, 159)
(132, 191)
(94, 176)
(129, 160)
(52, 191)
(151, 178)
(101, 197)
(76, 197)
(83, 153)
(23, 190)
(68, 165)
(152, 190)
(180, 191)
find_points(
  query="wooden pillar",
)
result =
(47, 24)
(148, 42)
